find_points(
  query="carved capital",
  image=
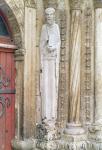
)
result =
(75, 4)
(19, 54)
(30, 3)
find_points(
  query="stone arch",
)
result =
(15, 20)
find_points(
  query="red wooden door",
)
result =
(7, 97)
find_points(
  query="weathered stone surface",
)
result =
(28, 102)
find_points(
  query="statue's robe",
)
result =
(50, 36)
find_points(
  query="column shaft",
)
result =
(75, 45)
(29, 73)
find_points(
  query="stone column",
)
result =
(74, 134)
(26, 103)
(19, 58)
(95, 132)
(18, 143)
(29, 72)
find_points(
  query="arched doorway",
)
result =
(7, 85)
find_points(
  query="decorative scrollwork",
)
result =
(8, 102)
(4, 80)
(2, 102)
(5, 102)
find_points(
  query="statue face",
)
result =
(50, 17)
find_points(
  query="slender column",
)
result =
(75, 66)
(19, 58)
(75, 45)
(18, 143)
(74, 134)
(29, 72)
(26, 104)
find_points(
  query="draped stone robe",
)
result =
(50, 36)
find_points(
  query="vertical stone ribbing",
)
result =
(62, 74)
(29, 72)
(75, 66)
(87, 65)
(98, 65)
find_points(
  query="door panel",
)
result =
(7, 98)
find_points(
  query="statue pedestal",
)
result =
(74, 137)
(47, 130)
(47, 135)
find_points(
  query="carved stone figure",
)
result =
(50, 56)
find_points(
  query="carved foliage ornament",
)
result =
(75, 4)
(30, 3)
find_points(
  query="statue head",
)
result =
(50, 15)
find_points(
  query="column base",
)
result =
(27, 144)
(74, 137)
(95, 137)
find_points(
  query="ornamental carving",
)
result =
(87, 65)
(88, 78)
(75, 4)
(62, 76)
(5, 102)
(30, 3)
(4, 80)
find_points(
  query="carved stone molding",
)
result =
(62, 76)
(87, 65)
(61, 145)
(88, 16)
(75, 4)
(19, 54)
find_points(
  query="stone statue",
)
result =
(50, 56)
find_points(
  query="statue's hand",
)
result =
(51, 49)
